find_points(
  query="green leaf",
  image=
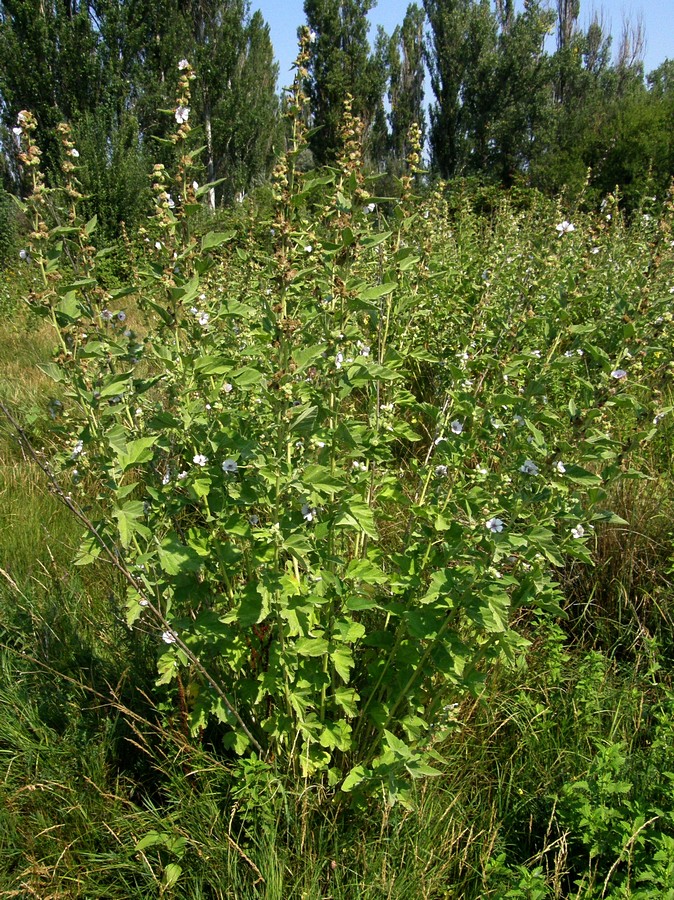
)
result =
(367, 571)
(321, 480)
(609, 518)
(187, 291)
(379, 290)
(304, 356)
(68, 310)
(52, 370)
(133, 611)
(88, 551)
(421, 770)
(247, 377)
(342, 660)
(215, 239)
(374, 239)
(408, 261)
(399, 748)
(151, 839)
(205, 188)
(137, 452)
(357, 514)
(212, 365)
(127, 521)
(311, 646)
(581, 476)
(253, 607)
(167, 667)
(354, 778)
(176, 558)
(336, 736)
(348, 699)
(115, 385)
(172, 873)
(303, 422)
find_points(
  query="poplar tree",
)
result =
(341, 63)
(461, 60)
(50, 65)
(406, 80)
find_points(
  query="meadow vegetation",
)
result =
(335, 542)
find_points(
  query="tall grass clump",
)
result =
(335, 472)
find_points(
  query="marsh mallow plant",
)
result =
(325, 487)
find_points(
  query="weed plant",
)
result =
(334, 627)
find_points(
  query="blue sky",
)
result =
(284, 16)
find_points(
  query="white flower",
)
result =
(167, 477)
(441, 471)
(312, 37)
(578, 531)
(77, 449)
(536, 353)
(227, 387)
(518, 420)
(495, 525)
(565, 227)
(657, 419)
(339, 359)
(359, 466)
(254, 520)
(182, 65)
(17, 131)
(138, 411)
(229, 466)
(560, 467)
(199, 459)
(195, 185)
(618, 374)
(370, 208)
(203, 318)
(308, 513)
(157, 245)
(24, 254)
(456, 426)
(595, 250)
(170, 202)
(75, 153)
(182, 114)
(529, 467)
(169, 637)
(182, 476)
(308, 248)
